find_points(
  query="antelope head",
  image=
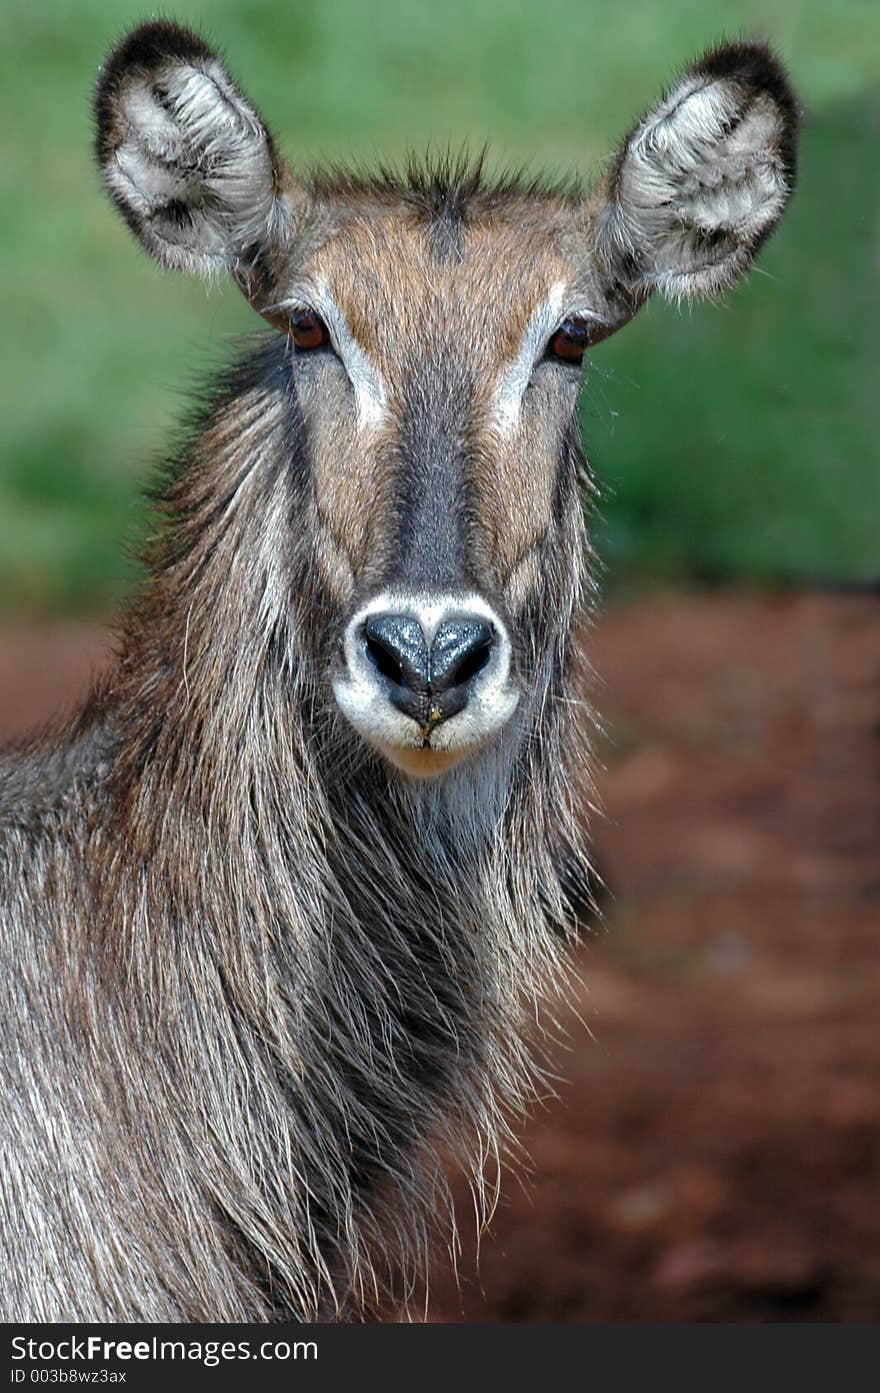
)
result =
(437, 324)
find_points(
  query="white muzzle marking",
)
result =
(363, 695)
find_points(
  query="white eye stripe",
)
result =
(369, 388)
(515, 377)
(370, 394)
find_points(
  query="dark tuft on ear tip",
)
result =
(156, 40)
(756, 68)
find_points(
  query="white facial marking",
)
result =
(515, 376)
(362, 693)
(369, 389)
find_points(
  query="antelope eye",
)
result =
(307, 330)
(570, 340)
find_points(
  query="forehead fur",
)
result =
(441, 254)
(452, 188)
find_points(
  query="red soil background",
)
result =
(713, 1152)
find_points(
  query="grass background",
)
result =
(733, 442)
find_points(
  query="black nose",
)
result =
(430, 684)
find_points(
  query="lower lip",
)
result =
(422, 763)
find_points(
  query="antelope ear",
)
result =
(185, 157)
(702, 179)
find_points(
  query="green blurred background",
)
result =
(734, 442)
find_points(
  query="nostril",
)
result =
(396, 647)
(472, 663)
(461, 649)
(384, 659)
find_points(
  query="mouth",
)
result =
(430, 743)
(422, 762)
(433, 717)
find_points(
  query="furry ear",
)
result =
(702, 179)
(184, 155)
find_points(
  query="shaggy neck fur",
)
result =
(304, 979)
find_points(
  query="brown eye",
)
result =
(307, 330)
(570, 340)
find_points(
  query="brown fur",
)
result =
(411, 308)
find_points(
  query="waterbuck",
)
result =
(278, 901)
